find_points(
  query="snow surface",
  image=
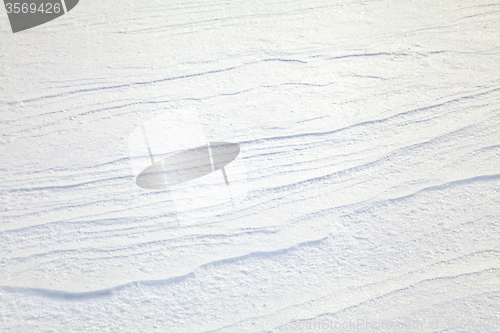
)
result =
(369, 131)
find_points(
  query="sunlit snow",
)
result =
(370, 158)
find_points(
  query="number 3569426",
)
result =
(32, 8)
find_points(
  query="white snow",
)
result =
(370, 136)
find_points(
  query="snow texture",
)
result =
(370, 136)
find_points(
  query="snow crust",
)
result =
(370, 136)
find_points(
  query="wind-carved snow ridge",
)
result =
(174, 280)
(63, 295)
(450, 184)
(369, 133)
(425, 288)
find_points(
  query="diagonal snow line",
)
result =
(380, 297)
(448, 184)
(59, 294)
(411, 285)
(370, 122)
(130, 84)
(172, 280)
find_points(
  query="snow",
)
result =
(369, 137)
